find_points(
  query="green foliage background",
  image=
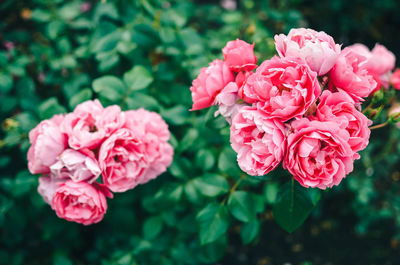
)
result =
(204, 209)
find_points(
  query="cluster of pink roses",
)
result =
(72, 151)
(301, 108)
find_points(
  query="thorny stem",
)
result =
(379, 126)
(367, 108)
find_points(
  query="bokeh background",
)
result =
(51, 52)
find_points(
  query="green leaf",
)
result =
(54, 29)
(125, 47)
(108, 42)
(242, 206)
(40, 15)
(23, 183)
(176, 115)
(250, 231)
(191, 192)
(140, 100)
(315, 195)
(3, 58)
(6, 83)
(173, 17)
(213, 221)
(175, 194)
(49, 108)
(60, 258)
(210, 253)
(271, 192)
(144, 35)
(176, 169)
(138, 78)
(81, 96)
(69, 11)
(292, 207)
(141, 246)
(105, 10)
(109, 87)
(26, 121)
(152, 227)
(192, 41)
(212, 185)
(189, 138)
(64, 44)
(167, 34)
(227, 162)
(4, 161)
(205, 159)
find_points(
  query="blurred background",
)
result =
(51, 51)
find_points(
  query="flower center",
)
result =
(281, 88)
(92, 128)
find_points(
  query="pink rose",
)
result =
(209, 83)
(241, 80)
(350, 75)
(154, 134)
(122, 160)
(259, 142)
(318, 154)
(9, 45)
(85, 6)
(137, 153)
(283, 89)
(47, 142)
(239, 55)
(227, 101)
(74, 165)
(338, 107)
(317, 49)
(395, 79)
(379, 62)
(90, 123)
(382, 60)
(111, 119)
(79, 202)
(48, 186)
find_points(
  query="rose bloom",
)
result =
(154, 134)
(90, 123)
(239, 55)
(209, 83)
(395, 79)
(47, 142)
(283, 89)
(122, 160)
(227, 101)
(317, 49)
(137, 153)
(350, 75)
(77, 166)
(339, 107)
(241, 81)
(48, 186)
(259, 142)
(79, 202)
(379, 62)
(318, 154)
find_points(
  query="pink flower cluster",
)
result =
(301, 108)
(73, 152)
